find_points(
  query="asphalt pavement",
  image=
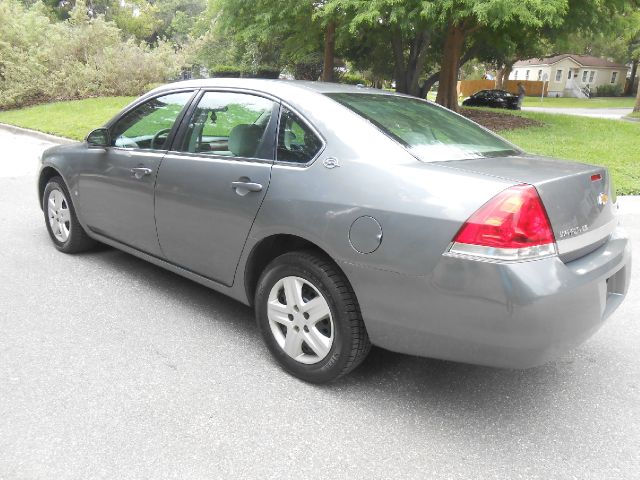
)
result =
(113, 368)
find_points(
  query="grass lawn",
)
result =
(604, 102)
(72, 119)
(634, 115)
(611, 143)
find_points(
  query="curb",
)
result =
(34, 133)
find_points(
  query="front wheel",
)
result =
(309, 317)
(63, 226)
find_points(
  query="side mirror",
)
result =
(99, 138)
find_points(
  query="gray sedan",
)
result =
(349, 217)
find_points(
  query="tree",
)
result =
(406, 27)
(298, 30)
(615, 37)
(501, 48)
(329, 52)
(463, 18)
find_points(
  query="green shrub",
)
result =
(609, 91)
(230, 71)
(80, 57)
(267, 72)
(226, 71)
(352, 79)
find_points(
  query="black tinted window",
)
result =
(296, 141)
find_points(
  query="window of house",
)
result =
(614, 77)
(558, 75)
(526, 75)
(592, 76)
(584, 76)
(539, 75)
(515, 75)
(569, 77)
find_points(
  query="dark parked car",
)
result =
(493, 99)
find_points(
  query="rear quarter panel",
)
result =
(419, 206)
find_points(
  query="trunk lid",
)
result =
(578, 197)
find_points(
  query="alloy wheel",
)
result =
(59, 215)
(300, 320)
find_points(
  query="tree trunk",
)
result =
(637, 107)
(329, 52)
(448, 89)
(634, 71)
(500, 78)
(434, 78)
(503, 75)
(428, 84)
(408, 70)
(398, 62)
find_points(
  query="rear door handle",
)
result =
(244, 187)
(140, 172)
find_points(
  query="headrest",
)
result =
(244, 140)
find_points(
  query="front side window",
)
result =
(429, 132)
(232, 125)
(148, 125)
(297, 143)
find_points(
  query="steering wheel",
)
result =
(157, 136)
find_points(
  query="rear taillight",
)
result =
(511, 226)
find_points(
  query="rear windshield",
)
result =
(429, 132)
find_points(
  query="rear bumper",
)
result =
(513, 315)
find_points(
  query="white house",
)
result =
(570, 75)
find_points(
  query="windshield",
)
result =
(429, 132)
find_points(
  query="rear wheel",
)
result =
(309, 317)
(63, 226)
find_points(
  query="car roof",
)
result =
(273, 87)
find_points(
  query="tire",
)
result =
(63, 226)
(328, 339)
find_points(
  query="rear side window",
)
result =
(297, 143)
(232, 125)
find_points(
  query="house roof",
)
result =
(582, 60)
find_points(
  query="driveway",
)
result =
(609, 113)
(113, 368)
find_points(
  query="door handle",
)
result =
(140, 172)
(244, 187)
